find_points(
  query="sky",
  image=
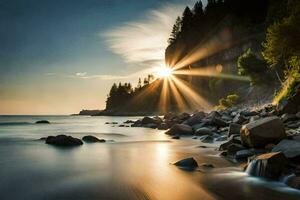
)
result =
(61, 56)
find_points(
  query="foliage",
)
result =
(227, 102)
(250, 65)
(282, 45)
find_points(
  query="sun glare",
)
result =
(164, 72)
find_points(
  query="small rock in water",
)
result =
(206, 165)
(176, 137)
(207, 139)
(42, 122)
(92, 139)
(63, 140)
(189, 163)
(203, 131)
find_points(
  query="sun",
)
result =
(164, 72)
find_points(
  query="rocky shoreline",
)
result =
(265, 141)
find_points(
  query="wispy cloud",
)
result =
(144, 41)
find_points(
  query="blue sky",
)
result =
(58, 56)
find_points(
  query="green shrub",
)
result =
(227, 102)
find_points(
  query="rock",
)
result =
(195, 138)
(203, 131)
(92, 139)
(121, 125)
(270, 146)
(129, 122)
(63, 140)
(269, 165)
(137, 123)
(195, 119)
(248, 113)
(223, 153)
(298, 114)
(234, 129)
(288, 117)
(243, 154)
(206, 165)
(254, 118)
(221, 138)
(176, 137)
(293, 181)
(43, 138)
(184, 116)
(180, 129)
(207, 139)
(262, 132)
(232, 149)
(239, 119)
(42, 122)
(219, 122)
(232, 140)
(163, 126)
(197, 126)
(149, 120)
(151, 125)
(290, 148)
(189, 163)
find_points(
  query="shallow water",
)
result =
(136, 165)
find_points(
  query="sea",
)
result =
(133, 164)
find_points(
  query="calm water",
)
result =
(135, 165)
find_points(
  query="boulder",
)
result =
(290, 148)
(293, 181)
(203, 131)
(232, 149)
(288, 117)
(180, 129)
(163, 126)
(219, 122)
(244, 154)
(234, 129)
(269, 165)
(149, 120)
(151, 125)
(195, 119)
(232, 140)
(221, 138)
(63, 140)
(92, 139)
(259, 133)
(189, 163)
(42, 122)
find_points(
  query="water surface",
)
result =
(134, 164)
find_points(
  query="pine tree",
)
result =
(175, 31)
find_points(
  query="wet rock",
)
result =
(219, 122)
(232, 140)
(180, 129)
(234, 129)
(176, 137)
(240, 119)
(243, 154)
(195, 138)
(129, 122)
(269, 165)
(290, 148)
(262, 132)
(189, 163)
(232, 149)
(203, 131)
(221, 138)
(195, 119)
(163, 126)
(207, 139)
(288, 117)
(200, 125)
(63, 140)
(92, 139)
(184, 116)
(293, 181)
(254, 118)
(151, 125)
(207, 165)
(149, 120)
(121, 125)
(42, 122)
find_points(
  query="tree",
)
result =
(250, 65)
(198, 8)
(283, 42)
(139, 84)
(187, 18)
(175, 31)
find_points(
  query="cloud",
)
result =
(143, 42)
(81, 74)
